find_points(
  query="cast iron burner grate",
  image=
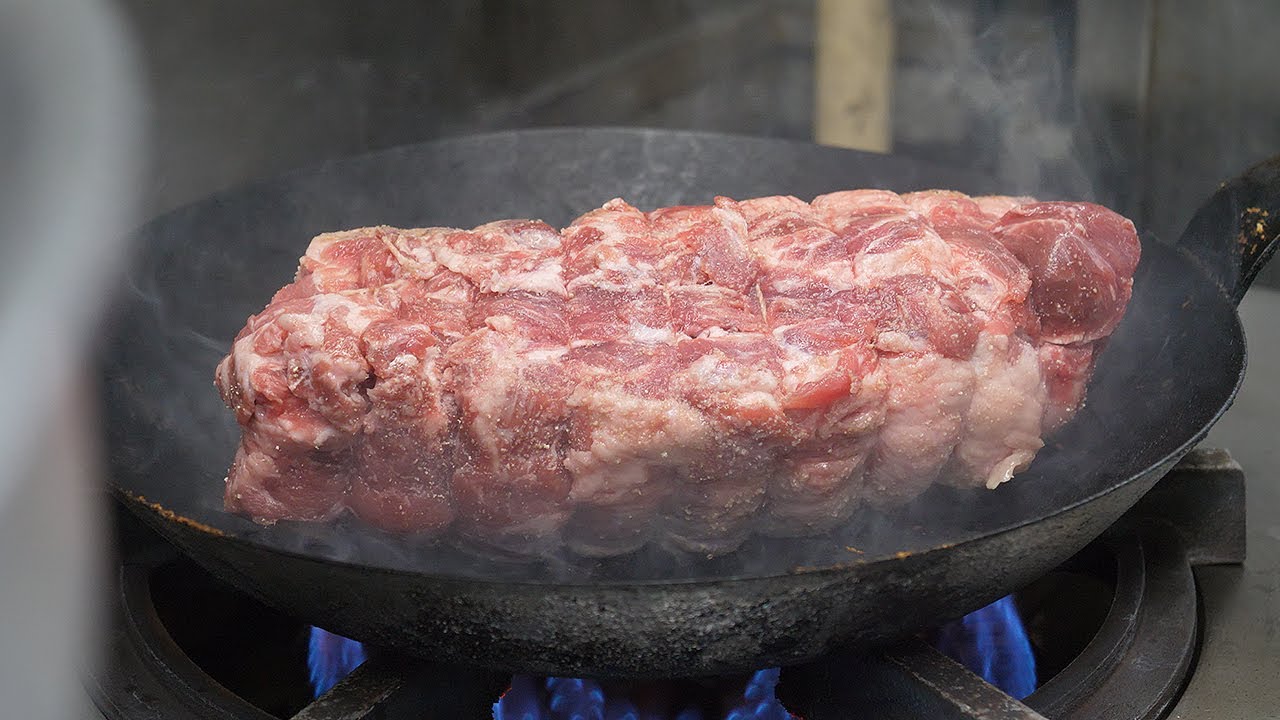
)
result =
(168, 657)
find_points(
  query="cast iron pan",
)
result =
(1170, 371)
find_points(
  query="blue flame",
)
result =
(578, 699)
(759, 701)
(521, 701)
(330, 658)
(571, 697)
(993, 643)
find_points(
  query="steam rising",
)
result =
(997, 93)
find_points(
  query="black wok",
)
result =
(1170, 371)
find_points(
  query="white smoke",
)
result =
(995, 92)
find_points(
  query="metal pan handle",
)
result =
(1236, 231)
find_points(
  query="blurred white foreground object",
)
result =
(69, 139)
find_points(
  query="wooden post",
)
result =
(853, 59)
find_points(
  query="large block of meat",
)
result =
(688, 375)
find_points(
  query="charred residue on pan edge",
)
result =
(168, 514)
(861, 559)
(1253, 226)
(900, 555)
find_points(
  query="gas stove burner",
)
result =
(185, 645)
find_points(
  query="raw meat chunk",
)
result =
(685, 376)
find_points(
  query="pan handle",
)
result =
(1236, 231)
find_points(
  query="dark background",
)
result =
(1144, 105)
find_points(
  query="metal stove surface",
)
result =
(1236, 675)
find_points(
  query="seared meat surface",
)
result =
(688, 375)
